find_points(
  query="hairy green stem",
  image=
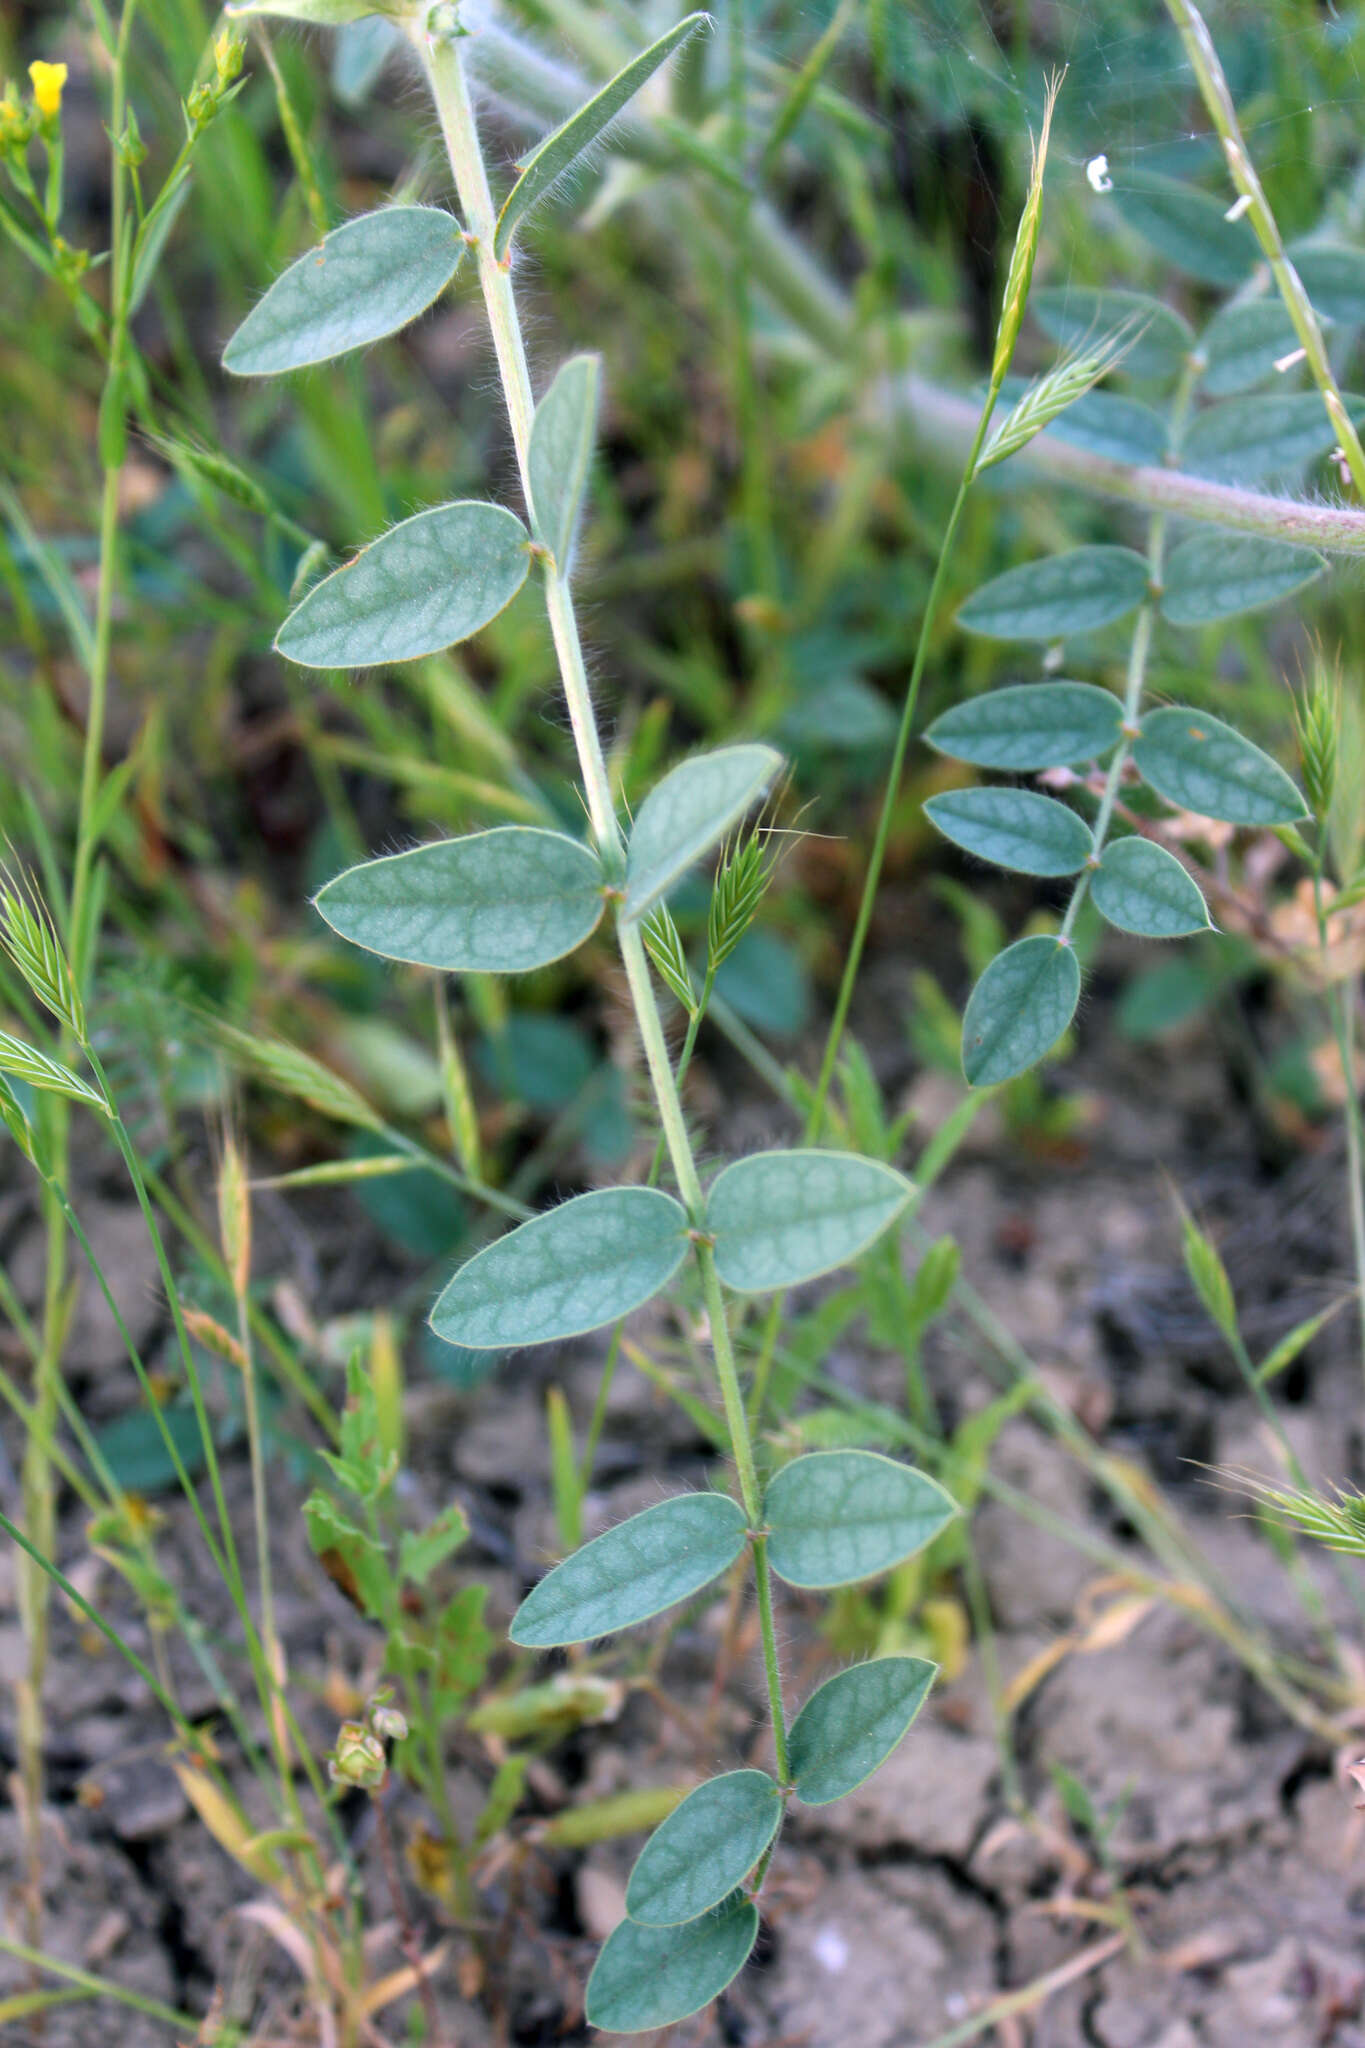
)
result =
(450, 90)
(606, 1378)
(1217, 97)
(442, 58)
(944, 420)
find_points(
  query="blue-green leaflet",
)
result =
(706, 1847)
(497, 902)
(432, 580)
(636, 1570)
(368, 279)
(573, 1269)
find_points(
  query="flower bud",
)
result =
(48, 82)
(388, 1722)
(358, 1758)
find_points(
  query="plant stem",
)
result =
(597, 1421)
(442, 59)
(834, 1037)
(1341, 1010)
(1138, 652)
(101, 1987)
(407, 1933)
(944, 420)
(38, 1491)
(270, 1641)
(1213, 85)
(871, 881)
(445, 69)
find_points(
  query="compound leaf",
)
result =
(1216, 575)
(581, 1265)
(1014, 828)
(1074, 314)
(835, 1517)
(365, 280)
(779, 1218)
(1070, 593)
(563, 434)
(559, 151)
(1019, 1009)
(689, 812)
(1202, 765)
(705, 1848)
(634, 1571)
(499, 902)
(853, 1722)
(1143, 888)
(426, 583)
(1028, 726)
(648, 1977)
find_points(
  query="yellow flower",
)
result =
(48, 81)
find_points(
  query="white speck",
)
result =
(1053, 659)
(1296, 355)
(830, 1950)
(1097, 171)
(955, 2005)
(1239, 207)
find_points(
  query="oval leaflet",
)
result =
(1217, 575)
(1073, 314)
(706, 1847)
(1143, 888)
(1014, 828)
(779, 1218)
(497, 902)
(1070, 593)
(634, 1571)
(689, 812)
(431, 580)
(365, 280)
(1027, 726)
(651, 1977)
(835, 1517)
(1019, 1009)
(853, 1722)
(578, 1266)
(562, 436)
(1202, 765)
